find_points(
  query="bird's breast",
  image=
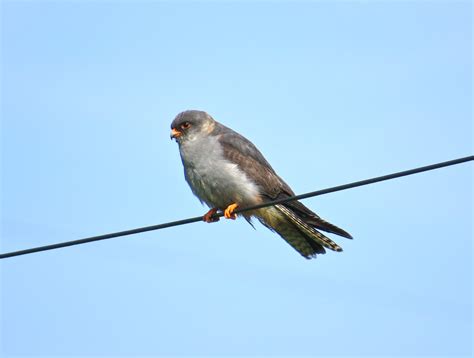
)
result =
(213, 179)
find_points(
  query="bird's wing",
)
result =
(239, 150)
(292, 220)
(312, 219)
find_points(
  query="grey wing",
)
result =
(241, 151)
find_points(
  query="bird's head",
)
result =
(190, 125)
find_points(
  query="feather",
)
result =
(308, 231)
(277, 221)
(300, 224)
(224, 168)
(311, 218)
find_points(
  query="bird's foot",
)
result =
(209, 218)
(229, 212)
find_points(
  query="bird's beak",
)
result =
(175, 133)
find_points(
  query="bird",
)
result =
(227, 172)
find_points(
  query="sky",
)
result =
(330, 92)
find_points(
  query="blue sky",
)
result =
(331, 92)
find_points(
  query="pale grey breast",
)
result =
(212, 178)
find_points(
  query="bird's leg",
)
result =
(229, 212)
(208, 216)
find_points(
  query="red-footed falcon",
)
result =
(226, 171)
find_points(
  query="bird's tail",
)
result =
(300, 230)
(308, 231)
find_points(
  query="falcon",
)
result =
(226, 172)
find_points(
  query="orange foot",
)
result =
(229, 212)
(208, 217)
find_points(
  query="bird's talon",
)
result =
(208, 217)
(229, 212)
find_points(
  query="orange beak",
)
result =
(175, 133)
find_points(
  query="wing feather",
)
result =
(250, 160)
(300, 229)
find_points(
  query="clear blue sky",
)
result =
(331, 92)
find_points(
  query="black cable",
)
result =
(217, 215)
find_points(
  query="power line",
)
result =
(217, 215)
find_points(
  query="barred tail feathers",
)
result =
(309, 231)
(302, 237)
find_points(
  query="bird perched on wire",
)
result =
(226, 171)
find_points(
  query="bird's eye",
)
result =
(185, 125)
